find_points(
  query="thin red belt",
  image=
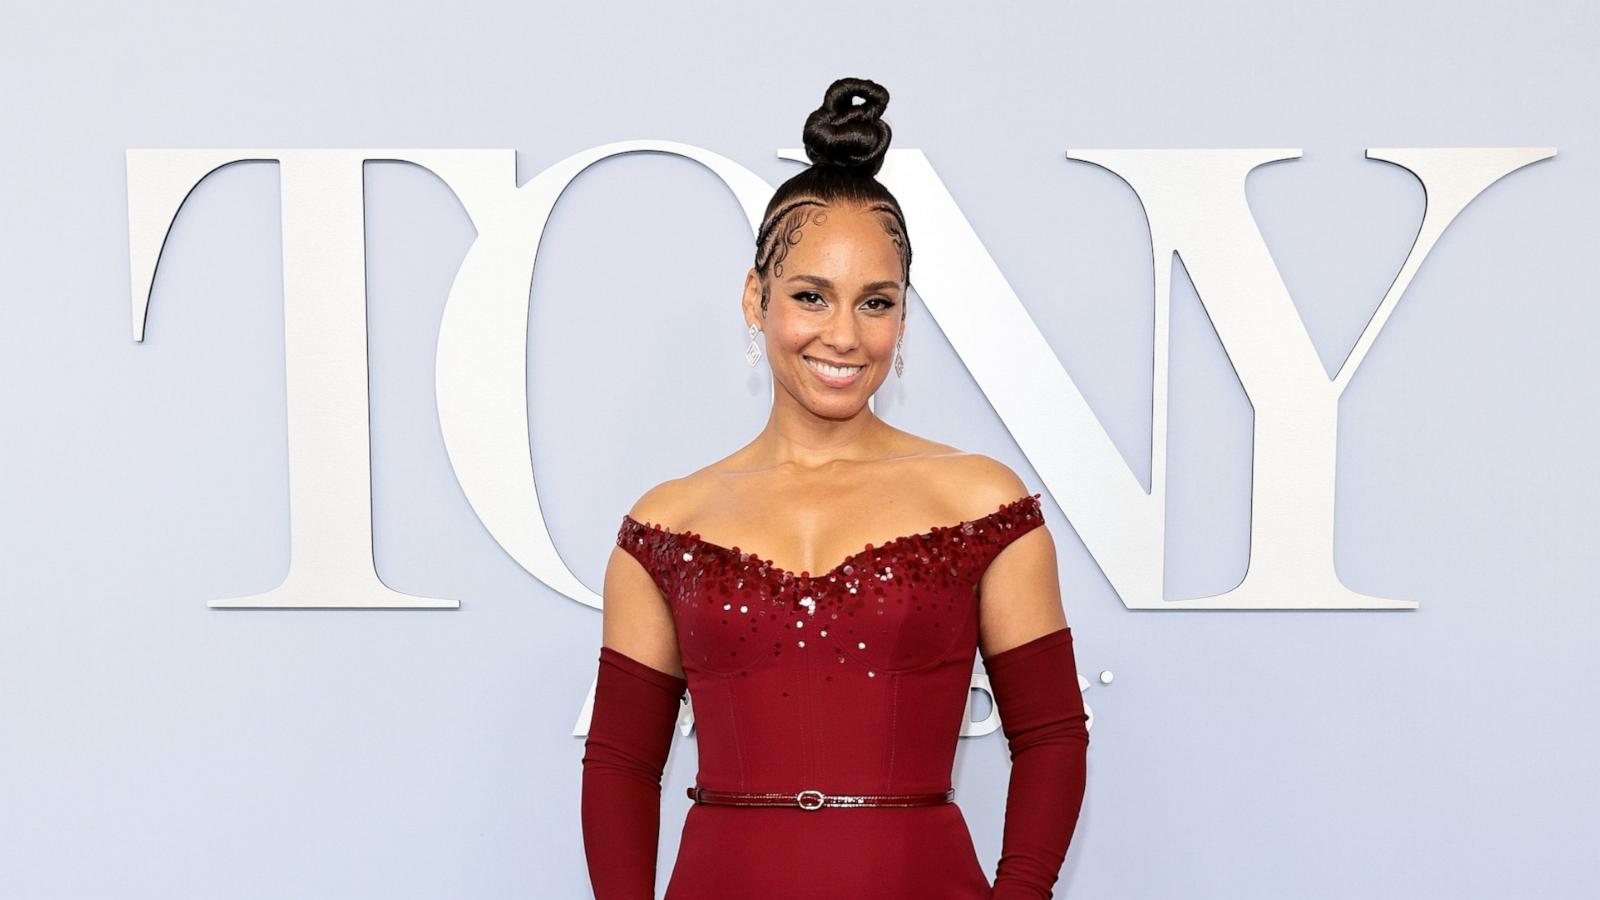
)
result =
(814, 799)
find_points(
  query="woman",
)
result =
(828, 706)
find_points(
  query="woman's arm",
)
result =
(637, 698)
(1041, 713)
(630, 734)
(1027, 652)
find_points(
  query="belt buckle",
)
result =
(803, 799)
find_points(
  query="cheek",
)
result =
(794, 336)
(883, 340)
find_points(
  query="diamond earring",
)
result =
(752, 353)
(899, 361)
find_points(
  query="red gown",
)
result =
(851, 681)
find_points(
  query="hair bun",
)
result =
(848, 135)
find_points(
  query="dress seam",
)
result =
(808, 736)
(733, 723)
(894, 710)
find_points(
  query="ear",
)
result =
(752, 297)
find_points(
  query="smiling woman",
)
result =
(833, 248)
(828, 706)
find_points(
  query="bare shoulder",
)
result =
(667, 502)
(1019, 590)
(977, 484)
(636, 620)
(677, 501)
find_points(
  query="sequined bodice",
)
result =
(851, 680)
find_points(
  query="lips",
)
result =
(833, 376)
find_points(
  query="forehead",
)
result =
(842, 239)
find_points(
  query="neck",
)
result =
(795, 435)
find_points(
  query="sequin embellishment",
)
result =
(887, 607)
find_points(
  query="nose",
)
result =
(841, 334)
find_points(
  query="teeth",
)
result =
(832, 371)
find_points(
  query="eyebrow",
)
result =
(819, 281)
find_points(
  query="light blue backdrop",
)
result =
(155, 748)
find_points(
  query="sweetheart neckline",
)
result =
(804, 574)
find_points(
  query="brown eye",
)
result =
(804, 294)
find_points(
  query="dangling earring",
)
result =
(899, 361)
(752, 353)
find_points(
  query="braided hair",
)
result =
(846, 143)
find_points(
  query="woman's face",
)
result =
(835, 311)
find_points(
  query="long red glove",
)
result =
(1035, 687)
(630, 733)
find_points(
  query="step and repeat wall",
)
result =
(342, 337)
